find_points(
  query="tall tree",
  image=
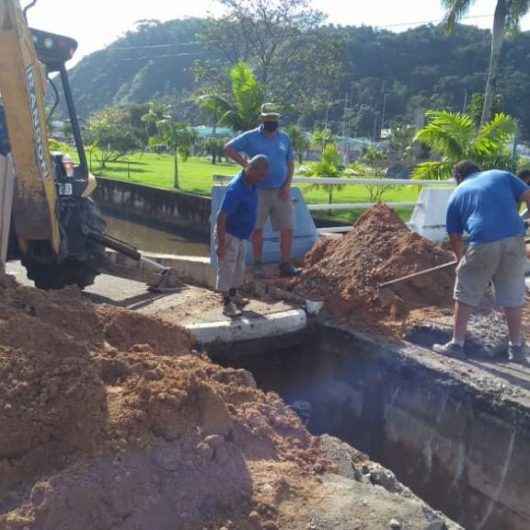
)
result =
(179, 138)
(240, 109)
(111, 132)
(508, 13)
(299, 140)
(257, 30)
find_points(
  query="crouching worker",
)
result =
(235, 224)
(485, 206)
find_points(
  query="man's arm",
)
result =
(285, 191)
(235, 155)
(525, 197)
(235, 147)
(221, 235)
(457, 245)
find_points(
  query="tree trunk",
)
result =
(497, 40)
(176, 172)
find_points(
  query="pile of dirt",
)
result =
(108, 419)
(346, 272)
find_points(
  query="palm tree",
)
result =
(328, 167)
(240, 110)
(299, 141)
(508, 14)
(322, 138)
(157, 112)
(454, 137)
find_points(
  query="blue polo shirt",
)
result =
(240, 205)
(485, 206)
(277, 149)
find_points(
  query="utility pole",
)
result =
(384, 106)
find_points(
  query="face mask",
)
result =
(270, 126)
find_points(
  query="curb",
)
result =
(244, 329)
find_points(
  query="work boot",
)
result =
(518, 354)
(230, 309)
(451, 349)
(240, 301)
(288, 271)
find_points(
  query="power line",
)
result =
(154, 46)
(420, 22)
(160, 56)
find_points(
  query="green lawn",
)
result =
(196, 176)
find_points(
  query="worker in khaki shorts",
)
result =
(235, 224)
(485, 206)
(275, 190)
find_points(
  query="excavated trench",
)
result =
(464, 452)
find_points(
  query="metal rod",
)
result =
(417, 274)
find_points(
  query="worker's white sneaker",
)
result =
(451, 349)
(240, 301)
(231, 310)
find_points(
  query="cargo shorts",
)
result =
(280, 211)
(501, 262)
(231, 269)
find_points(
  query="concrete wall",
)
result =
(165, 208)
(465, 453)
(459, 448)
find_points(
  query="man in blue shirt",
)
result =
(275, 191)
(485, 206)
(235, 224)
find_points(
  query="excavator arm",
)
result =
(22, 88)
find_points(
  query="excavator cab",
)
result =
(55, 224)
(54, 51)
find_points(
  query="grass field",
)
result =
(196, 176)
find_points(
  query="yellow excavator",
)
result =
(47, 218)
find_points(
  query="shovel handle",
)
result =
(416, 274)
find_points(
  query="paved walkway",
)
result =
(188, 305)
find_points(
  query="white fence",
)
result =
(220, 180)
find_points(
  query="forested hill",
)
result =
(423, 67)
(153, 61)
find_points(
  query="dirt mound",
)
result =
(108, 419)
(345, 272)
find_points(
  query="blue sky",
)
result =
(96, 23)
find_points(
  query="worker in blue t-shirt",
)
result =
(235, 224)
(485, 206)
(274, 193)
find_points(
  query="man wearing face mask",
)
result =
(274, 197)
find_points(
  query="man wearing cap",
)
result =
(235, 224)
(274, 197)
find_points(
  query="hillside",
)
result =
(423, 67)
(153, 61)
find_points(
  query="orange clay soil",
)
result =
(108, 419)
(345, 272)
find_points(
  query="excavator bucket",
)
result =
(22, 83)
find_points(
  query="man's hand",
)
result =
(285, 192)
